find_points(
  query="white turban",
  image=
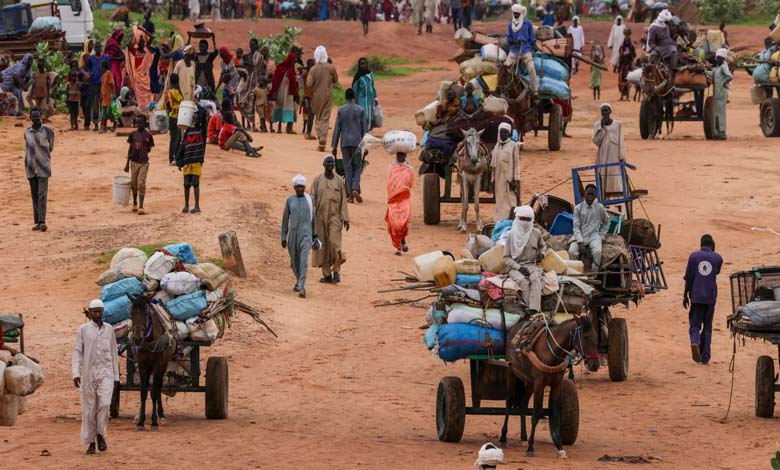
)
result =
(722, 52)
(490, 455)
(521, 229)
(504, 125)
(97, 303)
(665, 16)
(619, 17)
(327, 157)
(576, 18)
(299, 180)
(321, 55)
(606, 105)
(518, 8)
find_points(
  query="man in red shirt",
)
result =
(233, 136)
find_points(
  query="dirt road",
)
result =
(352, 386)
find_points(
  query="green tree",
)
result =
(55, 62)
(279, 44)
(715, 11)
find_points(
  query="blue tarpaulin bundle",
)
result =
(129, 285)
(184, 252)
(187, 306)
(460, 340)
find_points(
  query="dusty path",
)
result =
(351, 385)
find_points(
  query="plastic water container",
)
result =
(121, 191)
(187, 110)
(563, 224)
(554, 262)
(492, 261)
(444, 272)
(423, 265)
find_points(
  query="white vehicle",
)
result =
(76, 17)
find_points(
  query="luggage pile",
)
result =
(196, 296)
(478, 302)
(20, 376)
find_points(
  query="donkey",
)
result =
(472, 161)
(153, 348)
(544, 365)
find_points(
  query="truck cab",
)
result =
(76, 17)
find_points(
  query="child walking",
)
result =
(141, 143)
(76, 80)
(261, 102)
(172, 105)
(39, 91)
(190, 162)
(597, 55)
(106, 97)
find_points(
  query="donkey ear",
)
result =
(480, 132)
(463, 131)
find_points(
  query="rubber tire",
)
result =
(617, 355)
(765, 387)
(217, 388)
(770, 108)
(709, 118)
(646, 120)
(570, 415)
(450, 409)
(555, 129)
(431, 199)
(114, 409)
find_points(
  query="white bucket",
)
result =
(187, 110)
(122, 190)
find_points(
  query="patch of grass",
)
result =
(105, 257)
(218, 261)
(338, 96)
(753, 20)
(385, 67)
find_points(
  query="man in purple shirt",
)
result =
(701, 293)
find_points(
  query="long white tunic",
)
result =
(611, 149)
(614, 42)
(505, 161)
(578, 37)
(96, 362)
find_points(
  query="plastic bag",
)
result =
(180, 283)
(187, 306)
(158, 266)
(476, 67)
(490, 51)
(211, 276)
(118, 289)
(183, 251)
(378, 116)
(496, 105)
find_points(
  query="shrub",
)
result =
(715, 11)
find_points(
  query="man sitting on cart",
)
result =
(522, 42)
(660, 42)
(524, 249)
(591, 222)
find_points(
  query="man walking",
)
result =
(590, 224)
(578, 37)
(321, 79)
(95, 373)
(701, 293)
(329, 197)
(39, 143)
(298, 232)
(722, 78)
(350, 128)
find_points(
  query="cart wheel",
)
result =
(114, 409)
(431, 199)
(555, 128)
(617, 355)
(450, 409)
(765, 387)
(770, 117)
(646, 115)
(570, 416)
(217, 388)
(709, 118)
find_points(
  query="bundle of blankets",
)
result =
(472, 316)
(193, 297)
(760, 315)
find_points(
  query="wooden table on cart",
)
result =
(215, 387)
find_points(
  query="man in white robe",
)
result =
(608, 137)
(615, 41)
(95, 371)
(578, 40)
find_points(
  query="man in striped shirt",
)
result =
(39, 143)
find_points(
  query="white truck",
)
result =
(76, 17)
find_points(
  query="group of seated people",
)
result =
(226, 131)
(524, 246)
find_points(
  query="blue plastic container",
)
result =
(563, 224)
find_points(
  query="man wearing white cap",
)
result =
(578, 39)
(95, 372)
(298, 232)
(660, 41)
(721, 77)
(522, 42)
(329, 197)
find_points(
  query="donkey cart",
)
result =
(756, 285)
(183, 375)
(489, 376)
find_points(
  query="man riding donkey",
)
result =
(522, 44)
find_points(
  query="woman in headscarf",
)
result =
(127, 106)
(17, 78)
(284, 89)
(113, 50)
(138, 62)
(523, 250)
(365, 92)
(615, 41)
(505, 162)
(321, 79)
(627, 56)
(400, 177)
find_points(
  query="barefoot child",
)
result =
(39, 91)
(261, 102)
(597, 56)
(141, 143)
(76, 80)
(106, 96)
(190, 162)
